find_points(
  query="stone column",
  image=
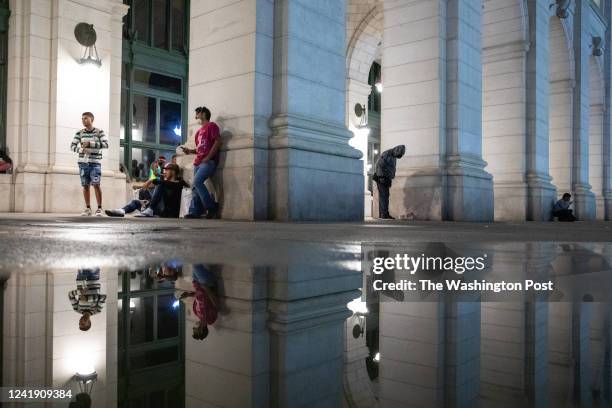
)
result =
(236, 85)
(584, 199)
(433, 105)
(358, 93)
(607, 131)
(540, 192)
(314, 173)
(48, 90)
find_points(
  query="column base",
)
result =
(40, 189)
(464, 192)
(584, 202)
(314, 174)
(541, 195)
(469, 189)
(510, 201)
(607, 205)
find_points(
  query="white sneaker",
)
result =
(147, 212)
(99, 212)
(86, 212)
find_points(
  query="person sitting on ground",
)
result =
(562, 210)
(165, 201)
(6, 164)
(86, 299)
(205, 300)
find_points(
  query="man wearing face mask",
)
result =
(208, 143)
(384, 175)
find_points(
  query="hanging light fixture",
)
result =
(86, 36)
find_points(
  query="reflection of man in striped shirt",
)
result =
(86, 299)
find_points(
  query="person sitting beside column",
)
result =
(562, 210)
(384, 175)
(165, 201)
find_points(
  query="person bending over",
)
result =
(165, 201)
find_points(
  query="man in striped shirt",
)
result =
(88, 143)
(86, 299)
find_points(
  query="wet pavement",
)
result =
(197, 313)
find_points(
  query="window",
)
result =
(154, 77)
(158, 23)
(4, 16)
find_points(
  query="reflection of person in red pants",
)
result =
(205, 300)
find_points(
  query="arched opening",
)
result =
(561, 89)
(503, 107)
(596, 122)
(364, 34)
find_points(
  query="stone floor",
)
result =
(52, 240)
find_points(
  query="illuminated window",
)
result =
(154, 76)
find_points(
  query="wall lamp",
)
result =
(362, 115)
(86, 36)
(86, 381)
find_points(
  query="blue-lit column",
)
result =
(540, 191)
(584, 199)
(314, 173)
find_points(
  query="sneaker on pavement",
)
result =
(147, 212)
(86, 212)
(99, 212)
(115, 213)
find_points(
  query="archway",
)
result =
(364, 34)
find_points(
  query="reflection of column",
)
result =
(43, 345)
(307, 312)
(357, 93)
(47, 92)
(236, 350)
(429, 353)
(560, 352)
(581, 317)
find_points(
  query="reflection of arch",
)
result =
(504, 46)
(597, 107)
(561, 76)
(364, 45)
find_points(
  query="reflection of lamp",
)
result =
(86, 36)
(359, 309)
(85, 376)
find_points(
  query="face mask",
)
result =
(200, 121)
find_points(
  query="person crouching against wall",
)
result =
(384, 175)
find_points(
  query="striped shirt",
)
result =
(97, 141)
(87, 297)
